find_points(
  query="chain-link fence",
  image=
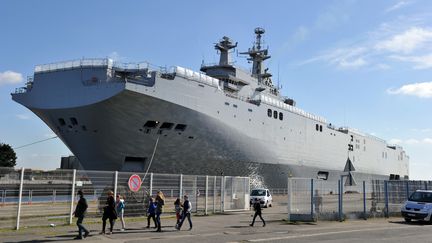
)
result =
(313, 199)
(35, 198)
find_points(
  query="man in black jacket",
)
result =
(257, 208)
(80, 212)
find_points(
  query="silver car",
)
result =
(263, 195)
(418, 206)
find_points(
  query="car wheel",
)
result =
(271, 204)
(407, 220)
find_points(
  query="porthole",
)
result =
(74, 121)
(275, 114)
(62, 121)
(280, 116)
(269, 113)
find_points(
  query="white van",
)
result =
(263, 195)
(418, 206)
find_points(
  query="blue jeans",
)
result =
(81, 227)
(186, 214)
(158, 221)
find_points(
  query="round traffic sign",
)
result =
(134, 182)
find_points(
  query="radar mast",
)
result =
(257, 56)
(224, 46)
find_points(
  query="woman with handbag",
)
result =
(109, 213)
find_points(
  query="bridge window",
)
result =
(180, 127)
(151, 124)
(167, 125)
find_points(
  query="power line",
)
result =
(40, 141)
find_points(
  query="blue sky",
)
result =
(362, 64)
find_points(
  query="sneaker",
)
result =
(109, 233)
(102, 232)
(251, 225)
(148, 226)
(263, 225)
(78, 238)
(86, 234)
(122, 230)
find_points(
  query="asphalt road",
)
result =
(235, 228)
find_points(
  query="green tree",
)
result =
(7, 156)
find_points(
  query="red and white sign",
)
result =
(134, 182)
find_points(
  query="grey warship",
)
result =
(222, 120)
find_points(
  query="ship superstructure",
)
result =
(222, 120)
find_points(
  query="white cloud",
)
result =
(398, 6)
(421, 62)
(411, 141)
(23, 116)
(395, 141)
(301, 33)
(50, 135)
(422, 90)
(406, 42)
(344, 58)
(10, 77)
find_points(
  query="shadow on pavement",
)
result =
(418, 223)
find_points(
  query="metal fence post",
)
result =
(115, 183)
(151, 185)
(72, 197)
(364, 200)
(425, 184)
(206, 195)
(407, 189)
(340, 199)
(312, 199)
(20, 199)
(386, 199)
(289, 194)
(214, 194)
(222, 193)
(181, 186)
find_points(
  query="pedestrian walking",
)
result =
(151, 213)
(178, 210)
(187, 207)
(79, 213)
(160, 202)
(109, 213)
(257, 208)
(120, 205)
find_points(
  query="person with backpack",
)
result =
(120, 205)
(160, 202)
(80, 212)
(187, 208)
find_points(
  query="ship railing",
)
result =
(88, 62)
(281, 105)
(196, 76)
